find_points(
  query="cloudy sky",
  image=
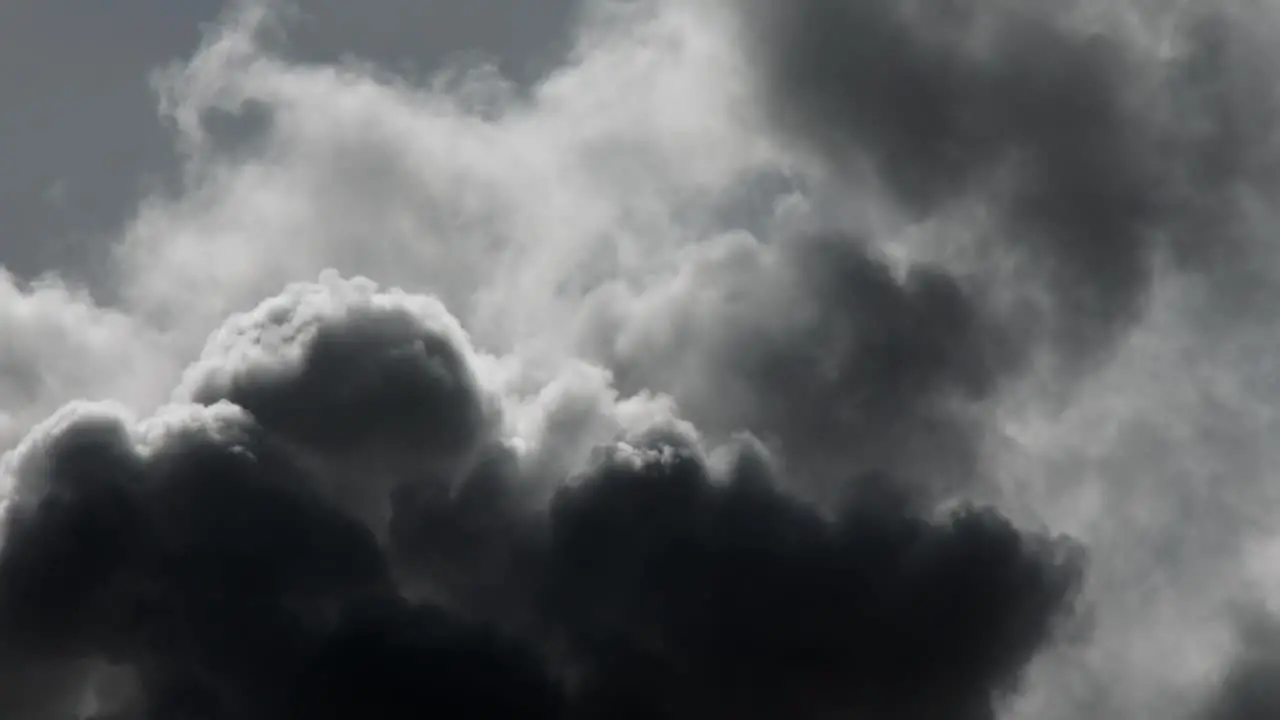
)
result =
(82, 141)
(639, 358)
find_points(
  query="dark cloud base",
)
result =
(218, 567)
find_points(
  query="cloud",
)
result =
(619, 143)
(50, 329)
(743, 601)
(1101, 156)
(150, 555)
(1098, 168)
(206, 548)
(751, 332)
(819, 346)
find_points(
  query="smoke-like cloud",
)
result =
(227, 550)
(804, 359)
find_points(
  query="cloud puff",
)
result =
(50, 328)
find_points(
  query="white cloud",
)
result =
(59, 346)
(500, 205)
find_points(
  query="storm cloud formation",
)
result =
(769, 359)
(200, 549)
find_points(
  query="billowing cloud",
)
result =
(224, 550)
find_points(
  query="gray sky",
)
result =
(80, 140)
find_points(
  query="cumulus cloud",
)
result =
(894, 360)
(213, 549)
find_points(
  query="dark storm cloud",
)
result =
(206, 550)
(473, 545)
(695, 598)
(375, 391)
(394, 661)
(237, 591)
(153, 563)
(1097, 155)
(240, 594)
